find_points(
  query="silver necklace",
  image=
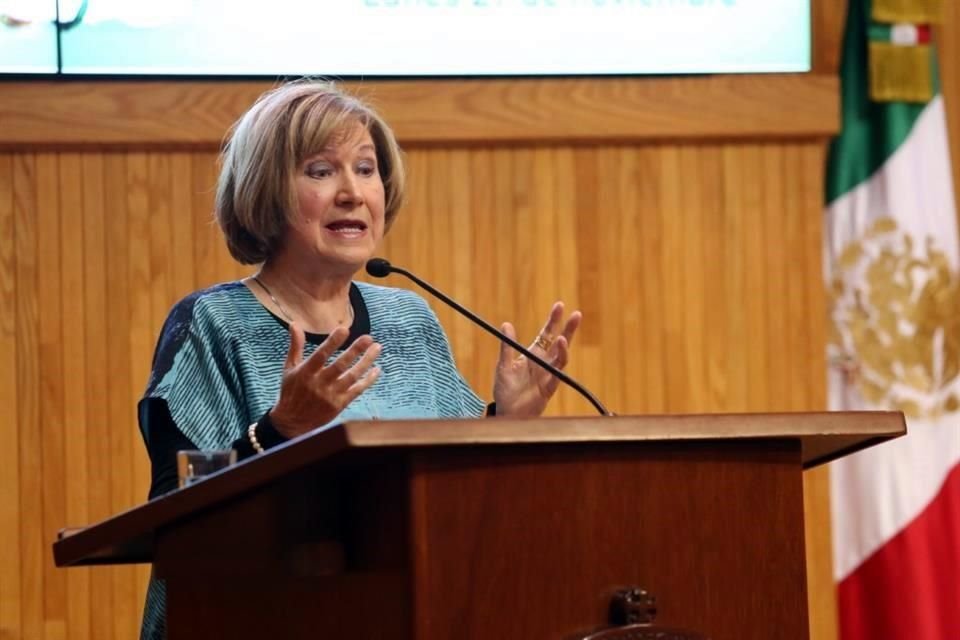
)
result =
(275, 301)
(279, 306)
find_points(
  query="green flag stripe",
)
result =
(871, 131)
(881, 32)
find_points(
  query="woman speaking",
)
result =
(311, 180)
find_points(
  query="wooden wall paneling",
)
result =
(949, 49)
(829, 20)
(799, 305)
(460, 255)
(579, 211)
(651, 280)
(483, 239)
(567, 284)
(74, 382)
(622, 272)
(583, 209)
(622, 109)
(30, 449)
(691, 181)
(793, 300)
(626, 276)
(504, 230)
(122, 415)
(9, 462)
(503, 244)
(518, 303)
(499, 274)
(529, 304)
(541, 233)
(183, 241)
(755, 282)
(208, 243)
(436, 222)
(599, 230)
(811, 194)
(673, 274)
(53, 446)
(589, 208)
(734, 170)
(11, 386)
(413, 224)
(391, 247)
(449, 248)
(449, 112)
(714, 249)
(161, 237)
(813, 157)
(226, 267)
(775, 265)
(566, 213)
(98, 427)
(538, 233)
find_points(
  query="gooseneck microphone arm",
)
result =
(380, 268)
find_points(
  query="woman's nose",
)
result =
(349, 191)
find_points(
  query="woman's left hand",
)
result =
(521, 387)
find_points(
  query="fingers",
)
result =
(354, 380)
(343, 362)
(355, 373)
(313, 392)
(365, 382)
(551, 329)
(318, 359)
(570, 328)
(561, 351)
(507, 353)
(552, 326)
(348, 368)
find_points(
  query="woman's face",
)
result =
(341, 205)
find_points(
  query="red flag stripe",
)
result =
(909, 587)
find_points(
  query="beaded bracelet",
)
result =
(252, 435)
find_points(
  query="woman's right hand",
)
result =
(312, 392)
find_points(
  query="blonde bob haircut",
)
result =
(256, 197)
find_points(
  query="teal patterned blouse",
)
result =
(218, 365)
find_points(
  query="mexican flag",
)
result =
(891, 262)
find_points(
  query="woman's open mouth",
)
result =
(347, 228)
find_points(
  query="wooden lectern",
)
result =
(492, 529)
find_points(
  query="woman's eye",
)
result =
(367, 169)
(319, 171)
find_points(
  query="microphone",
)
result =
(380, 268)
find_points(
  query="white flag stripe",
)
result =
(904, 35)
(908, 472)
